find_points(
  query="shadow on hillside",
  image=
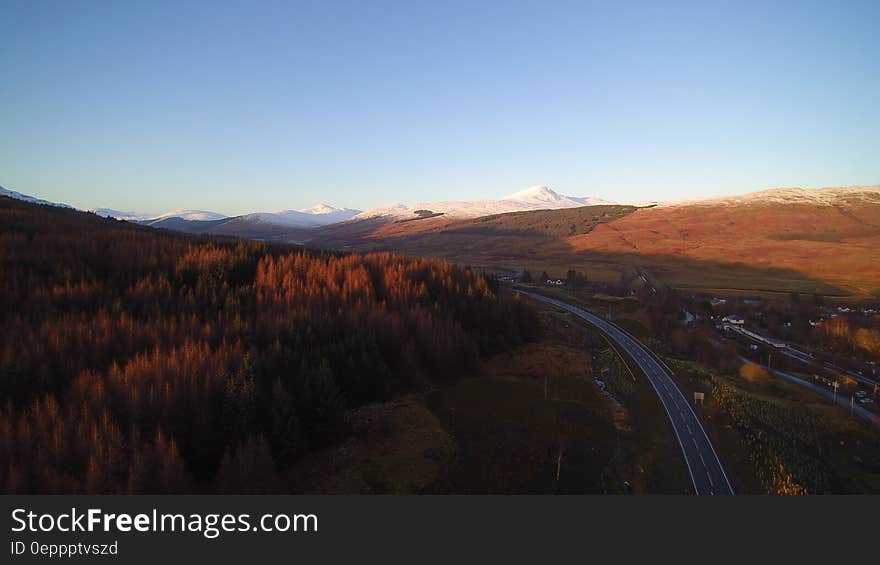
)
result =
(488, 247)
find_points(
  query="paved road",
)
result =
(705, 468)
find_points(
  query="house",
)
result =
(734, 320)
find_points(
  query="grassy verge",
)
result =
(778, 438)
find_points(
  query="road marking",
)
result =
(701, 459)
(690, 431)
(695, 443)
(711, 482)
(633, 346)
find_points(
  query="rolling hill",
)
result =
(823, 241)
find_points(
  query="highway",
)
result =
(706, 472)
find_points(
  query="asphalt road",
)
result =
(706, 471)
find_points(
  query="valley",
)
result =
(324, 392)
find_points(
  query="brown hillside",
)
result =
(827, 242)
(838, 244)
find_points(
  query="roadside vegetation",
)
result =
(774, 436)
(780, 438)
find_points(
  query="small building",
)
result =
(733, 320)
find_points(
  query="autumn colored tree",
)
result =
(136, 360)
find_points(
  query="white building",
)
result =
(733, 319)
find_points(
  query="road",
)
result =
(706, 472)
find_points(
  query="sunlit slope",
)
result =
(775, 241)
(838, 244)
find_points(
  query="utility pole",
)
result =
(836, 386)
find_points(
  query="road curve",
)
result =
(706, 471)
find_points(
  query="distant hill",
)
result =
(825, 241)
(787, 239)
(829, 235)
(534, 198)
(31, 199)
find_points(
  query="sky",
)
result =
(253, 106)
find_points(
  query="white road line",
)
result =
(634, 347)
(690, 431)
(701, 459)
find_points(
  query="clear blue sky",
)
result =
(240, 107)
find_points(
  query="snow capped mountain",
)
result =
(830, 196)
(149, 219)
(321, 209)
(119, 215)
(534, 198)
(397, 210)
(318, 215)
(201, 215)
(330, 214)
(546, 197)
(27, 198)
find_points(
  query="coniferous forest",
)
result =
(134, 360)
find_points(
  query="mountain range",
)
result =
(32, 199)
(780, 240)
(535, 198)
